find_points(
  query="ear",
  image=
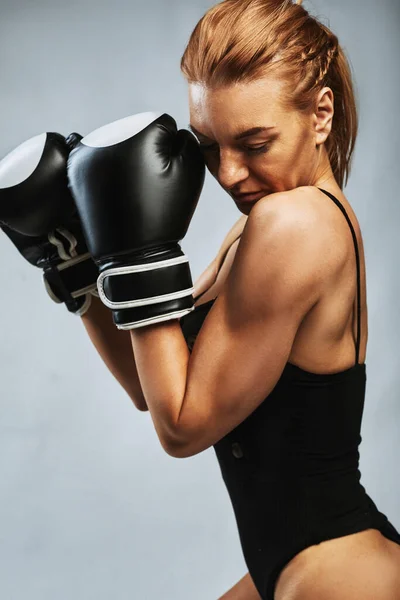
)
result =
(323, 115)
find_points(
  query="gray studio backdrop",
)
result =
(90, 505)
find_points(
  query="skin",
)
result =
(296, 157)
(290, 223)
(293, 155)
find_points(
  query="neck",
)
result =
(323, 175)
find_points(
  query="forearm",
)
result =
(115, 349)
(243, 590)
(162, 358)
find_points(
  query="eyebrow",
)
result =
(238, 136)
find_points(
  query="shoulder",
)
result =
(299, 220)
(290, 240)
(301, 206)
(282, 260)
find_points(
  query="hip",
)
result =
(361, 565)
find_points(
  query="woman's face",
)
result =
(251, 142)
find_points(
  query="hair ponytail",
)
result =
(240, 40)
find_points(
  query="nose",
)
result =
(231, 170)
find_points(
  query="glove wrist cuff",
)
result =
(134, 323)
(145, 289)
(138, 285)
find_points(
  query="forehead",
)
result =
(224, 109)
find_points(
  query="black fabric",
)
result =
(291, 468)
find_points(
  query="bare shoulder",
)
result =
(302, 215)
(296, 234)
(285, 213)
(302, 202)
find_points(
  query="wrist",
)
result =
(147, 287)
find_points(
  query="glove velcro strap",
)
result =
(133, 286)
(132, 318)
(71, 279)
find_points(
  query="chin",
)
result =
(245, 207)
(245, 210)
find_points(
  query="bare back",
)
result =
(325, 341)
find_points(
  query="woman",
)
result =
(280, 354)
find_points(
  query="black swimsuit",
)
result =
(291, 467)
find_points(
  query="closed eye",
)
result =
(259, 149)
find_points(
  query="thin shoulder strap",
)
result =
(339, 205)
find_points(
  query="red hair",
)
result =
(240, 40)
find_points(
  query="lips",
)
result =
(251, 197)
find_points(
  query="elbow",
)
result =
(187, 441)
(182, 450)
(172, 448)
(177, 453)
(139, 402)
(176, 448)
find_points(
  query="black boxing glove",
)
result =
(38, 214)
(136, 184)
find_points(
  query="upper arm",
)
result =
(245, 342)
(277, 272)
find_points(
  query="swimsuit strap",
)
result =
(339, 205)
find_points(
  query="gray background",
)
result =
(90, 505)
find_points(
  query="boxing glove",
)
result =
(136, 184)
(38, 214)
